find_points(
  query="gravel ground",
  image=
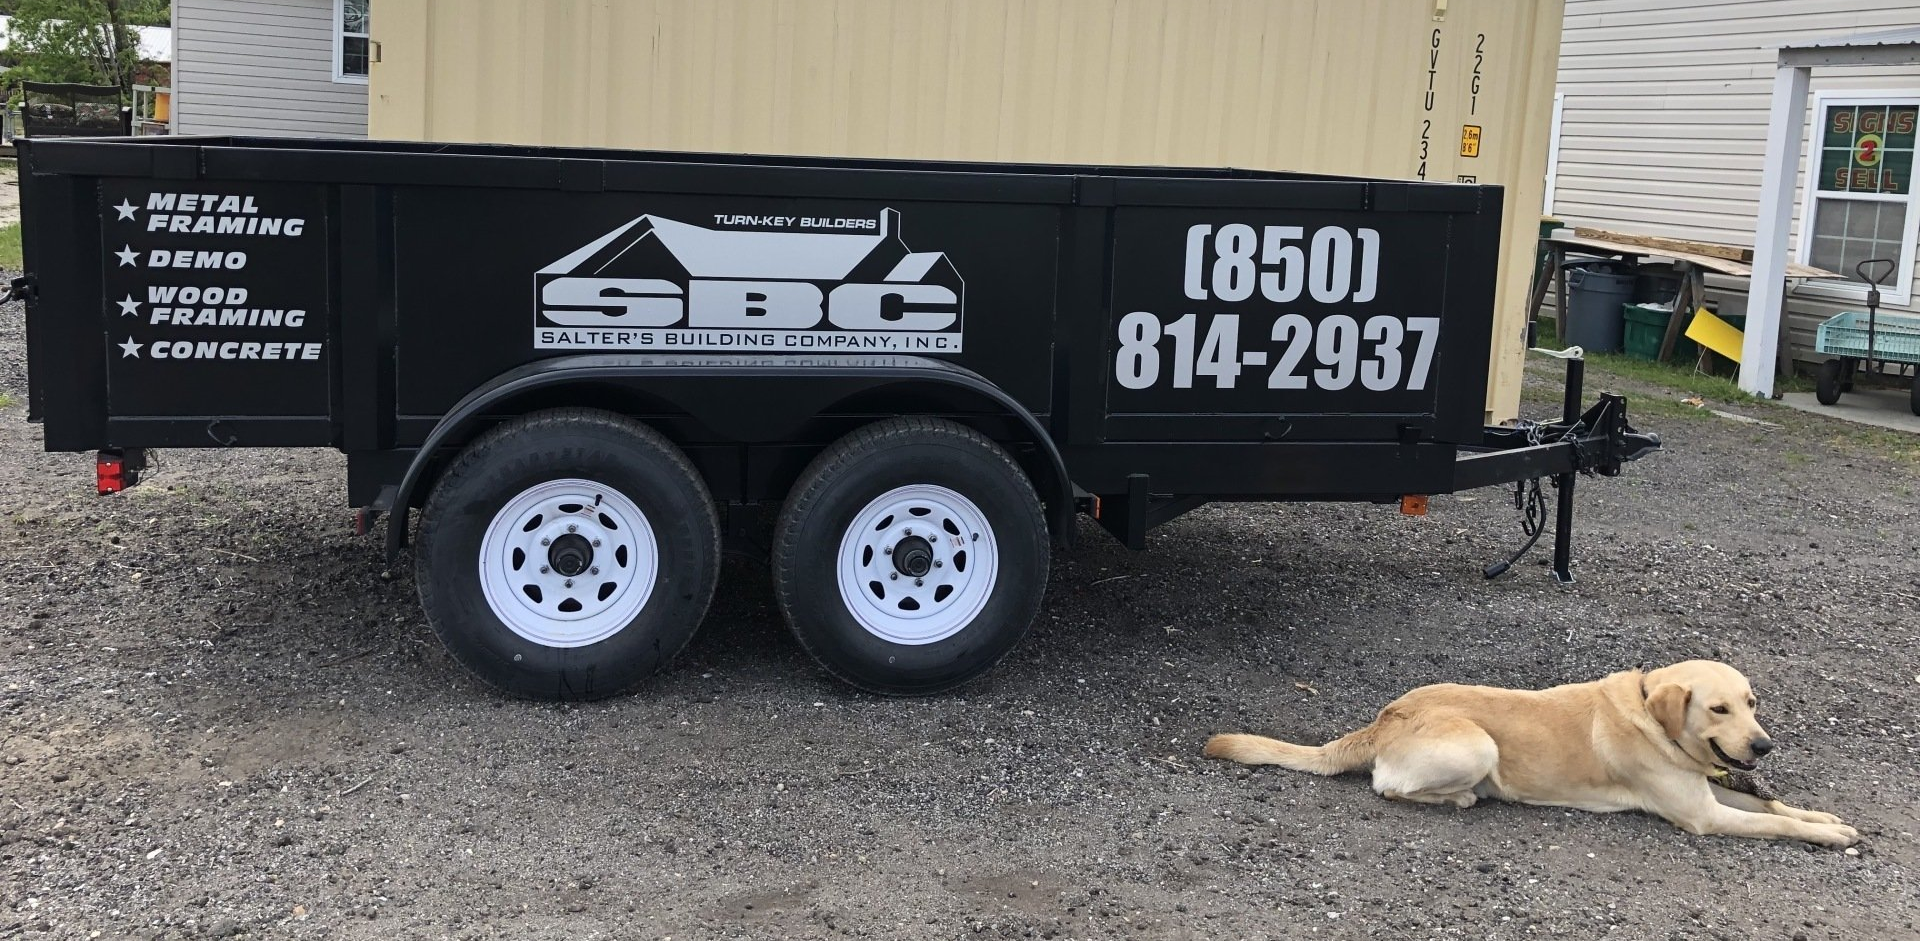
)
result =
(222, 720)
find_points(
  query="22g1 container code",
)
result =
(1249, 266)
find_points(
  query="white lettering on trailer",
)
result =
(170, 293)
(690, 339)
(230, 349)
(201, 202)
(1333, 265)
(794, 222)
(642, 302)
(162, 258)
(774, 305)
(166, 309)
(198, 224)
(228, 317)
(1384, 353)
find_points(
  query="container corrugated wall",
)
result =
(1370, 87)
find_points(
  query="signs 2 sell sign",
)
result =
(1868, 149)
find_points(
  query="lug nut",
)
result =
(569, 583)
(917, 583)
(572, 528)
(594, 571)
(544, 570)
(545, 541)
(888, 550)
(596, 543)
(939, 564)
(891, 576)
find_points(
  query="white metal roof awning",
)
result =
(1886, 47)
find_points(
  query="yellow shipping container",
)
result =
(1428, 89)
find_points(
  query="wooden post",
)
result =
(1560, 298)
(1543, 281)
(1783, 365)
(1683, 305)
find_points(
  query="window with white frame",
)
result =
(1860, 204)
(351, 22)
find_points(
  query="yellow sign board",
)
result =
(1716, 334)
(1470, 140)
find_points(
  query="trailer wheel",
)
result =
(1826, 387)
(568, 554)
(911, 557)
(1913, 393)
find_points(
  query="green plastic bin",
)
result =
(1646, 327)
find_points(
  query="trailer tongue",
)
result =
(583, 368)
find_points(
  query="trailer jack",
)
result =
(1598, 441)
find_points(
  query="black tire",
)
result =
(1913, 393)
(608, 450)
(1826, 387)
(841, 484)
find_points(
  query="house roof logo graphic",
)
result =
(726, 253)
(694, 287)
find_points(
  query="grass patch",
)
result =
(1640, 406)
(10, 247)
(1676, 376)
(6, 401)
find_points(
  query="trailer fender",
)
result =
(742, 397)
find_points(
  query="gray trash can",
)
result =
(1595, 292)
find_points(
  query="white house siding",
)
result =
(261, 67)
(1664, 121)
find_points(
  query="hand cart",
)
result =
(1871, 340)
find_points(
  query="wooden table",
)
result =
(1691, 259)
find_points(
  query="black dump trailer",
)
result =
(581, 369)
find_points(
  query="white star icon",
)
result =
(125, 209)
(129, 307)
(130, 348)
(127, 255)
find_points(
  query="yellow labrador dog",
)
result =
(1632, 741)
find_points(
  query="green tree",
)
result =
(86, 41)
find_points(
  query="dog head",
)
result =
(1707, 708)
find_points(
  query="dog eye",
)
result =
(1722, 710)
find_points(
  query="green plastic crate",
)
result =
(1646, 328)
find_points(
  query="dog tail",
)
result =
(1355, 750)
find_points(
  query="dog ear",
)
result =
(1668, 706)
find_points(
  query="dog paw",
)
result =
(1835, 835)
(1815, 816)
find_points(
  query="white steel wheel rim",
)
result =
(532, 584)
(961, 562)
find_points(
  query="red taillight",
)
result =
(110, 474)
(114, 471)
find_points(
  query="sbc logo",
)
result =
(655, 277)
